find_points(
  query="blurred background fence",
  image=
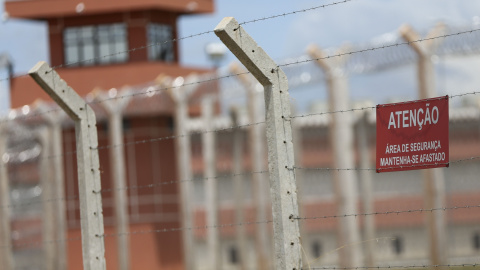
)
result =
(387, 213)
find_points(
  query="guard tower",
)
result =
(86, 37)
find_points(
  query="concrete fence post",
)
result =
(238, 186)
(47, 184)
(283, 188)
(6, 253)
(257, 154)
(341, 137)
(180, 94)
(300, 177)
(114, 103)
(434, 182)
(211, 186)
(54, 121)
(366, 187)
(93, 247)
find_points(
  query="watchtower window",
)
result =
(160, 45)
(95, 44)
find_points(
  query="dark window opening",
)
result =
(170, 124)
(233, 255)
(103, 125)
(476, 241)
(95, 44)
(316, 249)
(126, 124)
(160, 45)
(398, 245)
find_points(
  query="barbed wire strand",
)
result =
(231, 175)
(181, 135)
(295, 12)
(394, 266)
(153, 89)
(184, 37)
(156, 89)
(165, 230)
(157, 139)
(40, 243)
(155, 184)
(220, 226)
(36, 202)
(39, 114)
(333, 112)
(464, 94)
(292, 63)
(390, 212)
(383, 105)
(387, 168)
(230, 128)
(220, 176)
(380, 47)
(29, 115)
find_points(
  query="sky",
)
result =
(355, 21)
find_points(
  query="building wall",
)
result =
(24, 91)
(153, 208)
(150, 208)
(135, 21)
(398, 191)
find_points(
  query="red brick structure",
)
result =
(106, 44)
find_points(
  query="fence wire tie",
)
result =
(289, 168)
(286, 118)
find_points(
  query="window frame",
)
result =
(159, 41)
(99, 44)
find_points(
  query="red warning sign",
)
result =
(412, 135)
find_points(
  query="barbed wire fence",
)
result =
(149, 199)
